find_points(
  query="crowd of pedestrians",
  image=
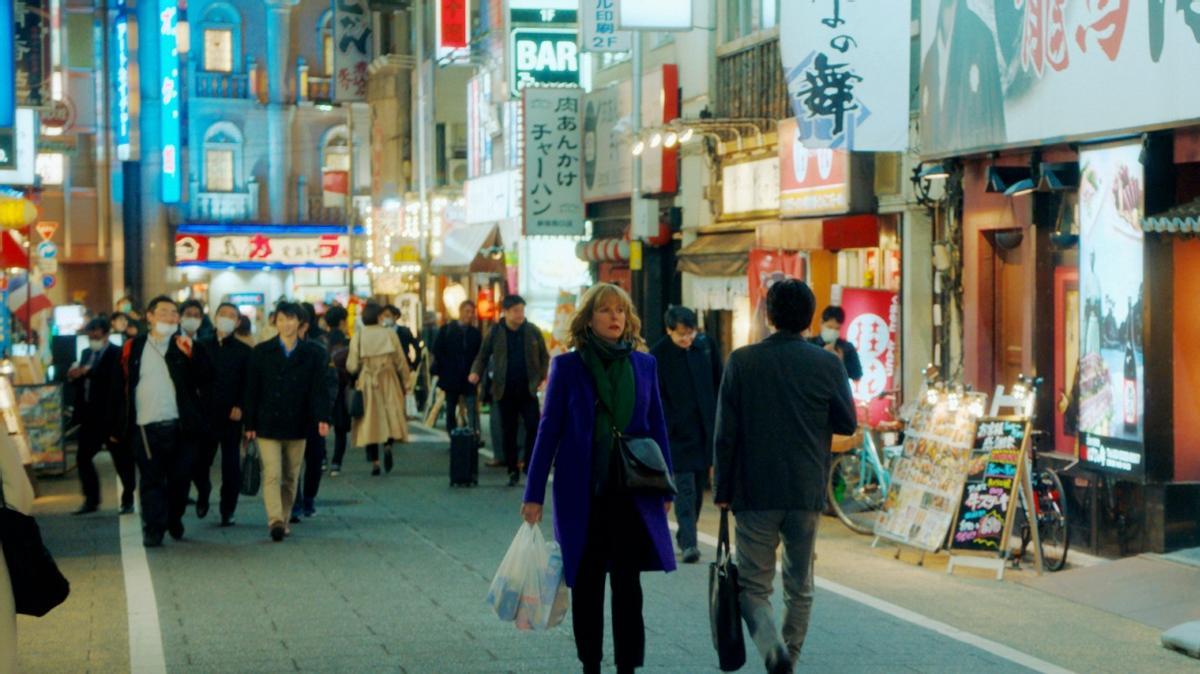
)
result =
(185, 389)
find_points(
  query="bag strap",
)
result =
(723, 536)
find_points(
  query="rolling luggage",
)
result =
(464, 458)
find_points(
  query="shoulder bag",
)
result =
(724, 611)
(642, 469)
(37, 584)
(355, 405)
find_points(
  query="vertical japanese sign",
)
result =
(122, 109)
(872, 324)
(1111, 365)
(453, 23)
(8, 80)
(598, 21)
(481, 124)
(351, 49)
(169, 118)
(553, 198)
(31, 30)
(846, 65)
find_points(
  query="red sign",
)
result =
(60, 115)
(811, 181)
(286, 251)
(768, 267)
(872, 324)
(452, 23)
(46, 228)
(337, 182)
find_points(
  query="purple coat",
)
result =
(564, 440)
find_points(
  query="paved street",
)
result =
(391, 576)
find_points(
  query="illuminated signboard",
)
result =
(121, 100)
(262, 250)
(543, 56)
(453, 19)
(168, 60)
(21, 154)
(8, 82)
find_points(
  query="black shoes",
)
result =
(375, 472)
(86, 509)
(227, 520)
(294, 519)
(176, 530)
(691, 556)
(514, 479)
(277, 533)
(779, 661)
(202, 509)
(388, 460)
(152, 541)
(126, 508)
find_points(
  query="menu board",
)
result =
(41, 410)
(928, 479)
(991, 485)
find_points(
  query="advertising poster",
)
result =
(768, 267)
(811, 181)
(1111, 377)
(990, 491)
(872, 325)
(997, 74)
(553, 203)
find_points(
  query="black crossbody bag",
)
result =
(641, 467)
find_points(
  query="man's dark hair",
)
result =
(790, 305)
(231, 305)
(243, 326)
(679, 315)
(190, 304)
(99, 323)
(370, 313)
(393, 310)
(119, 314)
(335, 316)
(159, 300)
(290, 309)
(512, 301)
(834, 313)
(310, 312)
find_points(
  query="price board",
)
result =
(990, 492)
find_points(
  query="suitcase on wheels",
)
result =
(464, 458)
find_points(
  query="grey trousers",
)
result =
(758, 535)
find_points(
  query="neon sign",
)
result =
(168, 60)
(122, 113)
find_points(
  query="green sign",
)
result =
(8, 149)
(543, 56)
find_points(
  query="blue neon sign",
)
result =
(121, 100)
(8, 82)
(168, 61)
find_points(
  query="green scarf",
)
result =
(612, 372)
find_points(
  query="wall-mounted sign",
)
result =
(552, 200)
(59, 115)
(32, 34)
(750, 187)
(122, 104)
(598, 21)
(1111, 389)
(169, 114)
(657, 15)
(22, 155)
(8, 76)
(481, 125)
(607, 160)
(257, 250)
(872, 323)
(540, 56)
(453, 23)
(46, 229)
(660, 104)
(493, 198)
(351, 49)
(812, 181)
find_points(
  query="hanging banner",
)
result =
(872, 326)
(553, 202)
(1006, 74)
(453, 23)
(607, 153)
(351, 49)
(1111, 271)
(168, 61)
(846, 65)
(598, 20)
(768, 267)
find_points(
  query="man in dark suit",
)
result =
(454, 352)
(230, 358)
(832, 320)
(98, 370)
(689, 375)
(781, 401)
(158, 410)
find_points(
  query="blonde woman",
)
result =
(605, 382)
(377, 360)
(18, 495)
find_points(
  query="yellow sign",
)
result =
(406, 253)
(17, 213)
(635, 255)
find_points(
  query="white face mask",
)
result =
(164, 329)
(190, 323)
(226, 325)
(388, 323)
(97, 344)
(829, 335)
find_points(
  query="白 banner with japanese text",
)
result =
(552, 195)
(351, 49)
(1002, 74)
(846, 65)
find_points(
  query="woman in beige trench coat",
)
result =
(378, 361)
(18, 494)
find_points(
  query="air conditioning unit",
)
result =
(457, 171)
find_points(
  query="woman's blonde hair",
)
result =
(595, 297)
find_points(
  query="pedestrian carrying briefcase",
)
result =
(724, 611)
(251, 470)
(464, 457)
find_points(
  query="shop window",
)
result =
(335, 150)
(325, 39)
(746, 17)
(218, 51)
(218, 170)
(222, 158)
(222, 38)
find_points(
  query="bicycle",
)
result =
(1049, 501)
(859, 478)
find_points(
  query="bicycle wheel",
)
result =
(855, 492)
(1052, 520)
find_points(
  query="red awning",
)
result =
(851, 231)
(12, 253)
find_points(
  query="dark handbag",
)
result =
(643, 469)
(37, 584)
(724, 611)
(355, 406)
(251, 470)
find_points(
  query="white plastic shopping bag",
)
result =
(529, 588)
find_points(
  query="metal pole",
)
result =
(636, 126)
(350, 201)
(421, 153)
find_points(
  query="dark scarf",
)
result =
(612, 372)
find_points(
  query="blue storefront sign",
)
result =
(168, 60)
(8, 82)
(122, 109)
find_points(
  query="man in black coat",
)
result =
(832, 320)
(157, 409)
(314, 445)
(287, 391)
(781, 401)
(689, 375)
(98, 371)
(223, 405)
(454, 352)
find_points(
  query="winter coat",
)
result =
(454, 352)
(565, 441)
(495, 349)
(689, 382)
(286, 395)
(230, 360)
(376, 357)
(190, 374)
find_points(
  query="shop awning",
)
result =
(1182, 219)
(718, 254)
(461, 248)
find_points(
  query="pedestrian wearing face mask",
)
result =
(193, 322)
(95, 375)
(832, 320)
(223, 405)
(158, 411)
